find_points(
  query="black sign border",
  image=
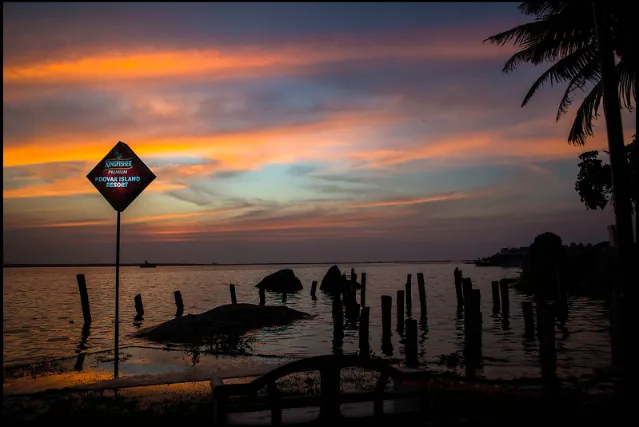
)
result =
(136, 192)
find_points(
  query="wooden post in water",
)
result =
(505, 302)
(476, 300)
(139, 307)
(547, 342)
(364, 348)
(362, 293)
(262, 292)
(313, 289)
(233, 297)
(495, 289)
(422, 296)
(178, 303)
(338, 324)
(410, 348)
(400, 312)
(409, 297)
(84, 298)
(387, 303)
(284, 298)
(467, 287)
(458, 287)
(472, 327)
(539, 308)
(529, 319)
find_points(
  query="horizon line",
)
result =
(186, 264)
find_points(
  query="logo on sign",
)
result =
(118, 165)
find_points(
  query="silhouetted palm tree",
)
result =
(564, 33)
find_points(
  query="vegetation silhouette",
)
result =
(563, 32)
(594, 181)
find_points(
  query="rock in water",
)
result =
(543, 266)
(334, 281)
(281, 281)
(227, 319)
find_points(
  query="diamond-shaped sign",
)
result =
(121, 176)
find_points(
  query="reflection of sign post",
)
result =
(120, 177)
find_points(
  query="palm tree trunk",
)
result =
(620, 183)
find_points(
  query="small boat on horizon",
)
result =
(147, 265)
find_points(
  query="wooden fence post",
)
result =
(409, 297)
(362, 294)
(139, 307)
(422, 296)
(84, 298)
(387, 302)
(495, 289)
(547, 342)
(400, 311)
(505, 302)
(410, 348)
(467, 287)
(458, 287)
(179, 303)
(476, 301)
(364, 348)
(338, 324)
(529, 318)
(233, 297)
(313, 289)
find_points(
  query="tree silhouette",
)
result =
(563, 32)
(594, 181)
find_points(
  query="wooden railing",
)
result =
(330, 398)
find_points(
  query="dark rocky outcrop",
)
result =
(335, 282)
(543, 266)
(551, 269)
(281, 281)
(226, 319)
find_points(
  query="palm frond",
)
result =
(568, 68)
(627, 83)
(590, 73)
(539, 9)
(548, 39)
(588, 110)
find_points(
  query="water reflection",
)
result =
(82, 345)
(584, 335)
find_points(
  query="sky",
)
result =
(282, 132)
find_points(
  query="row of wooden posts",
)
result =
(468, 302)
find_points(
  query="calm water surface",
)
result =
(42, 315)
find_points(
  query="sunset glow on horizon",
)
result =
(280, 133)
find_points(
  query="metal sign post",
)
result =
(117, 300)
(120, 177)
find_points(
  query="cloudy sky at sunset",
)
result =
(291, 132)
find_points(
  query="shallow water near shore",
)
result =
(42, 316)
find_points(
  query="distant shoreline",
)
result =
(160, 264)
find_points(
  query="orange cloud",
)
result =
(144, 63)
(138, 220)
(332, 221)
(421, 200)
(493, 146)
(71, 187)
(234, 150)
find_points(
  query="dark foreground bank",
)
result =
(192, 402)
